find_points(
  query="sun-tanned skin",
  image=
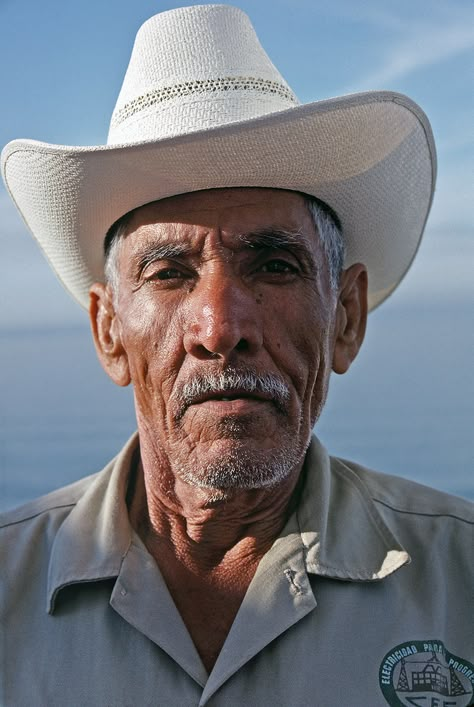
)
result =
(218, 296)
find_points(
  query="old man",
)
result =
(229, 243)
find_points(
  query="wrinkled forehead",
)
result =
(224, 221)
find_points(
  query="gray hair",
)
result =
(326, 224)
(328, 227)
(112, 243)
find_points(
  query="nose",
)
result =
(223, 318)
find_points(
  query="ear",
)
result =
(351, 317)
(106, 331)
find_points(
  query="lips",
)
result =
(222, 406)
(229, 396)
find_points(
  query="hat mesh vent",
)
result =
(227, 83)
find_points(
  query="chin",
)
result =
(238, 466)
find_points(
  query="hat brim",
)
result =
(369, 156)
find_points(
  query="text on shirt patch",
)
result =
(426, 674)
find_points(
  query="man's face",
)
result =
(225, 318)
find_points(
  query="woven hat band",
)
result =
(193, 69)
(197, 105)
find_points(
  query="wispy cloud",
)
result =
(423, 47)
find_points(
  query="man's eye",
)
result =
(165, 274)
(278, 267)
(169, 274)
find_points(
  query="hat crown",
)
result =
(195, 68)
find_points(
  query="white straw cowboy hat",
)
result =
(202, 107)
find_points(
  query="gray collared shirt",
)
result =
(368, 587)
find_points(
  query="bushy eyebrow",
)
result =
(276, 238)
(161, 251)
(261, 239)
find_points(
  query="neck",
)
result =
(203, 527)
(207, 543)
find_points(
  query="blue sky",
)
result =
(63, 63)
(62, 67)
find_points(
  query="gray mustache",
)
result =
(229, 379)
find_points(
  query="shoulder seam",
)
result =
(422, 513)
(36, 514)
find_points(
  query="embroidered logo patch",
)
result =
(425, 674)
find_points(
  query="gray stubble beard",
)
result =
(242, 467)
(244, 470)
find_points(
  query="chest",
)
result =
(208, 606)
(282, 648)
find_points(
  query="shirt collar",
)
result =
(343, 534)
(92, 541)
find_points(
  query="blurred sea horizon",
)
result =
(405, 407)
